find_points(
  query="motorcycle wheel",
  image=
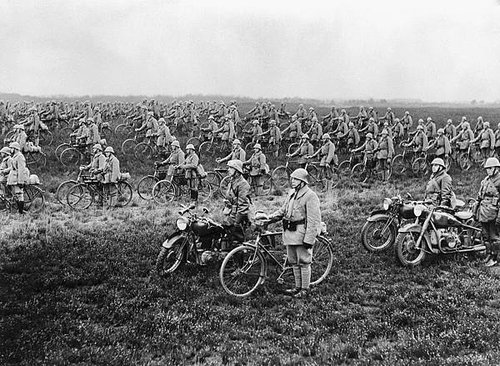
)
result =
(378, 235)
(169, 259)
(242, 272)
(408, 255)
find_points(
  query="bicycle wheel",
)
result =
(242, 271)
(206, 149)
(45, 138)
(59, 149)
(322, 261)
(224, 185)
(124, 193)
(63, 189)
(315, 179)
(398, 166)
(420, 167)
(143, 151)
(34, 200)
(79, 197)
(267, 184)
(204, 191)
(359, 173)
(71, 157)
(38, 159)
(122, 129)
(464, 162)
(195, 141)
(214, 180)
(293, 147)
(128, 147)
(163, 192)
(280, 177)
(145, 187)
(344, 168)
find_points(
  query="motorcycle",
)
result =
(381, 227)
(198, 240)
(438, 230)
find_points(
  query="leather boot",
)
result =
(20, 207)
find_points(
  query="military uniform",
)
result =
(487, 211)
(439, 189)
(18, 175)
(257, 164)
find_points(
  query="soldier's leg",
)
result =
(259, 185)
(486, 230)
(304, 257)
(113, 193)
(19, 194)
(292, 258)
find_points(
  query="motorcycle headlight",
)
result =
(182, 223)
(418, 209)
(387, 203)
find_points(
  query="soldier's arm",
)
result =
(313, 219)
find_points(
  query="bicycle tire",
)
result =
(293, 147)
(145, 187)
(128, 147)
(224, 185)
(143, 151)
(125, 193)
(214, 180)
(280, 177)
(163, 192)
(60, 148)
(322, 260)
(79, 197)
(62, 190)
(359, 173)
(34, 200)
(204, 191)
(242, 271)
(205, 149)
(71, 157)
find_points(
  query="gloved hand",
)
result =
(307, 245)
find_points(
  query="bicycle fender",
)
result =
(171, 239)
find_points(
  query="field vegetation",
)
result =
(80, 287)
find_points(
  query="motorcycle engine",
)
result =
(449, 239)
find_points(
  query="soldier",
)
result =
(294, 129)
(190, 167)
(464, 137)
(352, 136)
(21, 137)
(430, 129)
(487, 138)
(256, 131)
(419, 141)
(176, 158)
(371, 127)
(274, 137)
(407, 121)
(151, 126)
(258, 166)
(487, 210)
(238, 153)
(228, 133)
(385, 153)
(98, 163)
(497, 140)
(304, 150)
(18, 175)
(398, 131)
(315, 131)
(301, 218)
(479, 125)
(237, 201)
(442, 144)
(369, 148)
(5, 167)
(94, 136)
(439, 188)
(450, 130)
(328, 158)
(389, 116)
(111, 175)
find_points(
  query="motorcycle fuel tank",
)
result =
(443, 219)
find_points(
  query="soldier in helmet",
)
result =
(190, 167)
(258, 167)
(486, 139)
(439, 189)
(237, 201)
(487, 210)
(497, 140)
(464, 137)
(385, 153)
(301, 218)
(419, 141)
(304, 150)
(315, 131)
(175, 158)
(98, 163)
(442, 145)
(328, 160)
(274, 137)
(5, 167)
(18, 175)
(430, 129)
(369, 148)
(111, 175)
(294, 129)
(238, 153)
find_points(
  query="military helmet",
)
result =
(326, 136)
(109, 149)
(486, 124)
(492, 163)
(369, 135)
(236, 165)
(97, 147)
(300, 174)
(189, 146)
(305, 136)
(175, 143)
(257, 146)
(440, 131)
(438, 161)
(236, 142)
(384, 132)
(420, 127)
(5, 150)
(15, 145)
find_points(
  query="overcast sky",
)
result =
(435, 50)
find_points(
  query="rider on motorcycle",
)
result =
(439, 188)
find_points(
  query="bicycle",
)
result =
(165, 191)
(34, 199)
(84, 194)
(212, 148)
(149, 150)
(74, 155)
(362, 172)
(281, 174)
(346, 166)
(64, 187)
(246, 267)
(129, 145)
(146, 184)
(215, 178)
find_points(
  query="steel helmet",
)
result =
(272, 122)
(256, 122)
(420, 127)
(210, 117)
(351, 125)
(449, 121)
(384, 132)
(440, 131)
(369, 135)
(466, 125)
(15, 145)
(189, 146)
(438, 161)
(236, 142)
(486, 124)
(407, 112)
(389, 109)
(97, 147)
(492, 163)
(314, 119)
(161, 120)
(429, 119)
(20, 126)
(420, 120)
(236, 165)
(396, 120)
(175, 143)
(5, 150)
(300, 174)
(109, 149)
(257, 146)
(90, 119)
(326, 136)
(305, 136)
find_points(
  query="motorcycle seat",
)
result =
(464, 215)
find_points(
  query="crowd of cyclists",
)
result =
(185, 135)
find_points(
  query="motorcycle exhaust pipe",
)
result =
(477, 248)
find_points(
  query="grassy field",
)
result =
(80, 287)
